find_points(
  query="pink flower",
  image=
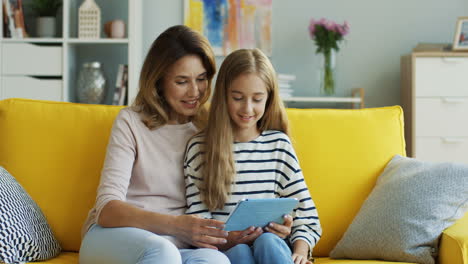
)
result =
(327, 34)
(330, 25)
(345, 28)
(312, 28)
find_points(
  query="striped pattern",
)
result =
(267, 167)
(24, 233)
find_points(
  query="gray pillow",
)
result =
(25, 234)
(406, 212)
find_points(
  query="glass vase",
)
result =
(327, 72)
(91, 84)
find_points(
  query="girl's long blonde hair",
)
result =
(219, 168)
(173, 44)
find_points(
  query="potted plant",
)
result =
(46, 11)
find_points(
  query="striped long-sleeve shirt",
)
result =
(267, 167)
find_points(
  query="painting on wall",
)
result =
(231, 24)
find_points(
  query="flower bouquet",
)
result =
(327, 34)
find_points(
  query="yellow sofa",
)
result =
(56, 150)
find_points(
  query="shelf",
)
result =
(324, 99)
(70, 40)
(73, 52)
(97, 41)
(32, 40)
(356, 98)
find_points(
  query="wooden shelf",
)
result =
(356, 98)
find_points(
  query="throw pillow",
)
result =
(25, 234)
(406, 212)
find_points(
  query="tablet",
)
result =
(259, 212)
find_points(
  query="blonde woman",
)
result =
(245, 152)
(139, 212)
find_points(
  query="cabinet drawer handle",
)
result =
(452, 140)
(454, 100)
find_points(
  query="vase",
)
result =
(327, 72)
(45, 27)
(91, 84)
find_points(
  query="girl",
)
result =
(245, 152)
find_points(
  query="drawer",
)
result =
(31, 88)
(447, 116)
(30, 59)
(442, 149)
(441, 76)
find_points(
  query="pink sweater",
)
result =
(143, 167)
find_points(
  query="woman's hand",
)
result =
(199, 232)
(283, 230)
(246, 236)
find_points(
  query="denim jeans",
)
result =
(268, 248)
(129, 245)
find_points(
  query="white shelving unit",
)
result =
(30, 69)
(356, 98)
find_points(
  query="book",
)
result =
(121, 83)
(118, 85)
(286, 77)
(19, 20)
(123, 92)
(14, 16)
(10, 18)
(6, 30)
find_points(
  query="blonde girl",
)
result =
(245, 152)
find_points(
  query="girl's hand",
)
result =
(283, 230)
(300, 252)
(246, 236)
(300, 259)
(204, 233)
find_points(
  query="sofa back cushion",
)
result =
(56, 152)
(342, 153)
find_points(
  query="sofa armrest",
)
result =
(454, 243)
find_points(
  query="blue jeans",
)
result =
(129, 245)
(268, 248)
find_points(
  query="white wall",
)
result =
(381, 31)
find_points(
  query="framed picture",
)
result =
(231, 24)
(461, 34)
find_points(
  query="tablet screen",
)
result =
(259, 212)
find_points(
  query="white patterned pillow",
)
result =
(404, 215)
(25, 234)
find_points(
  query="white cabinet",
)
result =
(435, 101)
(47, 68)
(33, 88)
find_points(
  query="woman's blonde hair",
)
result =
(219, 168)
(173, 44)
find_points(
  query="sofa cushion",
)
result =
(405, 214)
(64, 258)
(342, 261)
(24, 233)
(454, 243)
(56, 151)
(342, 152)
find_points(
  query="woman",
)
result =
(138, 215)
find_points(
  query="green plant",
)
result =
(46, 7)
